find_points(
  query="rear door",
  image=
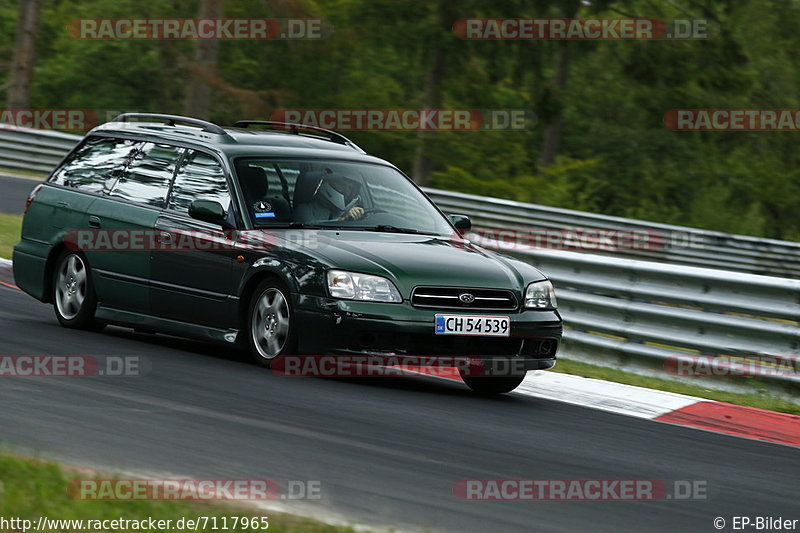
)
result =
(90, 172)
(191, 269)
(123, 222)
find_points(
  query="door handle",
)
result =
(94, 222)
(165, 237)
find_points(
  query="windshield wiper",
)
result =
(386, 228)
(293, 225)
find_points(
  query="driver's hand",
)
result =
(355, 213)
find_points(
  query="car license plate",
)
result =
(488, 326)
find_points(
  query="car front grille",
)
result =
(464, 298)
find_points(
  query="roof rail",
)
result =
(295, 129)
(170, 120)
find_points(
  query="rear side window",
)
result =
(149, 174)
(200, 177)
(96, 165)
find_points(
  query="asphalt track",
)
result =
(13, 192)
(386, 451)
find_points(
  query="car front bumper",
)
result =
(329, 326)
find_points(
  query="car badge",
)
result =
(466, 298)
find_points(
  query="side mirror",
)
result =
(461, 222)
(207, 211)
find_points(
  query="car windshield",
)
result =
(336, 195)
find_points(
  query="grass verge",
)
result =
(10, 226)
(25, 174)
(31, 488)
(755, 399)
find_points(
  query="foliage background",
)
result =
(614, 154)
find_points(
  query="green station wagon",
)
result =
(282, 239)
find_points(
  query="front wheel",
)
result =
(270, 329)
(74, 299)
(492, 384)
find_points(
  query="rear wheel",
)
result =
(493, 384)
(74, 299)
(270, 328)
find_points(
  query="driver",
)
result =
(335, 197)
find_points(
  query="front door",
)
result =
(191, 267)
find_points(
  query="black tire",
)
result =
(269, 325)
(73, 296)
(492, 384)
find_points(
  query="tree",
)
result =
(24, 56)
(204, 68)
(432, 92)
(553, 130)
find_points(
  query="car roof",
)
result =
(290, 141)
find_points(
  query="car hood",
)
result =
(411, 260)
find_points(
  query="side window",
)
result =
(200, 177)
(96, 165)
(149, 174)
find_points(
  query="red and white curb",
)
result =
(629, 400)
(660, 406)
(7, 274)
(668, 407)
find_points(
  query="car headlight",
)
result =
(540, 295)
(355, 286)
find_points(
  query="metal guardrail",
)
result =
(625, 310)
(630, 311)
(37, 151)
(671, 244)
